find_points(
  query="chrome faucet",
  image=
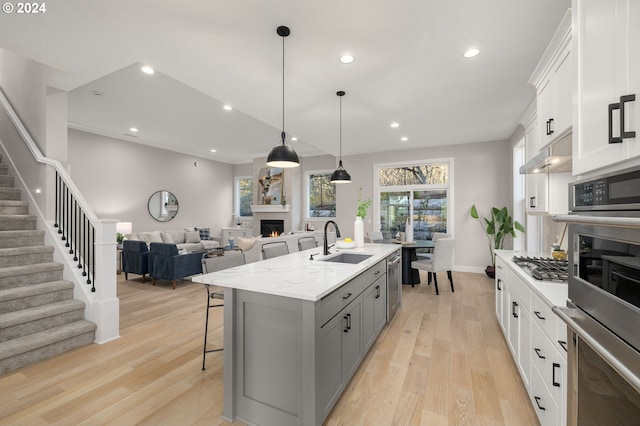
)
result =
(326, 245)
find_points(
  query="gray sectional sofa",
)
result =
(188, 240)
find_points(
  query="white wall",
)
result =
(117, 178)
(482, 176)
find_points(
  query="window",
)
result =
(321, 194)
(413, 190)
(243, 196)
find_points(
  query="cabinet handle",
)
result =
(346, 327)
(550, 129)
(348, 321)
(539, 316)
(538, 353)
(514, 305)
(613, 107)
(532, 202)
(553, 374)
(346, 296)
(376, 273)
(537, 398)
(498, 284)
(377, 292)
(563, 344)
(624, 100)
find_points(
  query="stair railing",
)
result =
(88, 243)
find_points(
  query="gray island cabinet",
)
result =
(295, 332)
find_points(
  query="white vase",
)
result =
(358, 232)
(409, 231)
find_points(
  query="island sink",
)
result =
(352, 258)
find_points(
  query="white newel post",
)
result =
(106, 303)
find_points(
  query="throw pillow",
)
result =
(166, 237)
(154, 237)
(246, 244)
(192, 237)
(205, 233)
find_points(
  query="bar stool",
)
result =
(227, 259)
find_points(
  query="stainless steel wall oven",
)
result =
(603, 313)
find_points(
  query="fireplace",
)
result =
(271, 227)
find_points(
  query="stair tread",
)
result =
(34, 289)
(39, 312)
(38, 267)
(17, 203)
(43, 338)
(13, 251)
(9, 217)
(21, 233)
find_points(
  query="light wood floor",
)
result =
(442, 361)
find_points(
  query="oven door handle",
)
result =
(625, 222)
(625, 277)
(606, 344)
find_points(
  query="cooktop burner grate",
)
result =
(544, 269)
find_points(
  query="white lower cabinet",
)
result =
(537, 340)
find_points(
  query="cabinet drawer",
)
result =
(375, 272)
(542, 315)
(333, 303)
(548, 362)
(543, 402)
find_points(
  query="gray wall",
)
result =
(117, 178)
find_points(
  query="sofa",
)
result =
(186, 240)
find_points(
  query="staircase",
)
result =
(38, 316)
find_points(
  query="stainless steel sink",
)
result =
(347, 258)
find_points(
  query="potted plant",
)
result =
(363, 205)
(496, 229)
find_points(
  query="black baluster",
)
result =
(56, 217)
(71, 211)
(86, 244)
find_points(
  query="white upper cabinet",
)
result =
(553, 80)
(606, 47)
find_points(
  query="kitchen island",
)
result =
(296, 329)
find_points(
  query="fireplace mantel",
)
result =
(270, 208)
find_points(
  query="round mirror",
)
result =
(163, 206)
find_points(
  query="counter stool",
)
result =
(217, 262)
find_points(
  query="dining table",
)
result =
(410, 275)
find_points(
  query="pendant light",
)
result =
(283, 155)
(340, 175)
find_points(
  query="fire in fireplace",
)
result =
(271, 227)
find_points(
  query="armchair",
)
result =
(166, 264)
(135, 258)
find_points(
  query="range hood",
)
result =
(556, 158)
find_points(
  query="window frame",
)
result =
(236, 195)
(449, 187)
(307, 175)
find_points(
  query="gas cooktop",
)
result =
(544, 268)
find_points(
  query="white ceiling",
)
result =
(408, 68)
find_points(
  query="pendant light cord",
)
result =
(340, 130)
(283, 134)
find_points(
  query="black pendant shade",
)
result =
(283, 155)
(340, 175)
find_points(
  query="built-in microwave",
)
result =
(614, 192)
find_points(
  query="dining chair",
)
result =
(274, 249)
(434, 237)
(441, 260)
(305, 243)
(229, 259)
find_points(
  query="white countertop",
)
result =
(294, 275)
(553, 293)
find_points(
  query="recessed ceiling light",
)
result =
(294, 139)
(395, 124)
(471, 52)
(147, 69)
(347, 58)
(404, 139)
(133, 129)
(214, 150)
(227, 107)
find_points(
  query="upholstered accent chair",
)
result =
(166, 264)
(135, 258)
